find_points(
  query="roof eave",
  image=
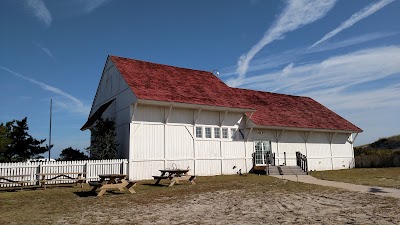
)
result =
(96, 115)
(193, 106)
(305, 129)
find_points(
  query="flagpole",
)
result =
(51, 104)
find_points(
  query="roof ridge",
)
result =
(274, 93)
(161, 64)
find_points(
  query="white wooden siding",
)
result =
(231, 119)
(208, 167)
(172, 142)
(180, 116)
(182, 164)
(148, 141)
(113, 86)
(122, 117)
(149, 114)
(122, 133)
(232, 166)
(142, 170)
(208, 118)
(318, 146)
(208, 149)
(178, 142)
(249, 149)
(319, 152)
(233, 149)
(341, 147)
(290, 143)
(319, 164)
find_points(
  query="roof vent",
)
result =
(215, 72)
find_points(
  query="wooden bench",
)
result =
(112, 181)
(131, 183)
(80, 179)
(174, 175)
(160, 177)
(10, 179)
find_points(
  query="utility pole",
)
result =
(51, 104)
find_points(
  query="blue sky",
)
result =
(344, 54)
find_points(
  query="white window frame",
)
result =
(233, 133)
(205, 132)
(219, 132)
(201, 132)
(227, 133)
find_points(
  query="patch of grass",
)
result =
(382, 177)
(38, 206)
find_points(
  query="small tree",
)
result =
(72, 154)
(5, 141)
(22, 146)
(103, 144)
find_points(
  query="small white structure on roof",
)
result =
(169, 116)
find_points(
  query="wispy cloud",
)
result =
(296, 14)
(338, 81)
(351, 41)
(74, 104)
(274, 61)
(90, 5)
(40, 11)
(363, 13)
(375, 98)
(45, 50)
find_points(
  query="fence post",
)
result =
(87, 170)
(38, 171)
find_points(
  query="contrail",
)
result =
(363, 13)
(77, 102)
(296, 14)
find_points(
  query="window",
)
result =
(208, 132)
(199, 133)
(233, 133)
(224, 132)
(217, 132)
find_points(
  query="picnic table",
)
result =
(112, 181)
(15, 179)
(67, 176)
(174, 175)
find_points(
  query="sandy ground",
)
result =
(239, 207)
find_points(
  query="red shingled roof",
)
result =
(151, 81)
(292, 111)
(159, 82)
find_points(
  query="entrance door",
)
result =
(263, 153)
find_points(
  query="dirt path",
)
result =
(388, 192)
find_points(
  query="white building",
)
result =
(167, 116)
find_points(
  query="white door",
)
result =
(262, 153)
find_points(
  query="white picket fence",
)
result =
(92, 168)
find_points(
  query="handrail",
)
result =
(302, 161)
